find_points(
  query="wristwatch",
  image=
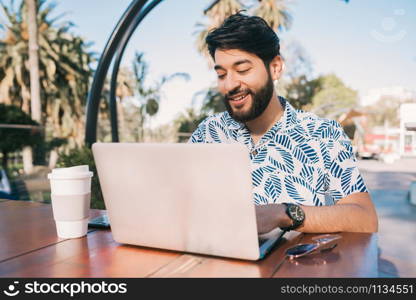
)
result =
(296, 214)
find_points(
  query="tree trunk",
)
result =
(53, 158)
(140, 129)
(25, 99)
(27, 160)
(122, 119)
(27, 151)
(4, 160)
(35, 104)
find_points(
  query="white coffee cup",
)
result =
(71, 197)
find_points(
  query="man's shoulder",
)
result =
(215, 128)
(318, 127)
(221, 120)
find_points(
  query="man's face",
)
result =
(244, 82)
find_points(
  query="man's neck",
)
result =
(259, 126)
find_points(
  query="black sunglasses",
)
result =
(321, 243)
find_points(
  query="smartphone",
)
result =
(99, 222)
(300, 250)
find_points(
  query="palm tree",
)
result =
(14, 85)
(217, 12)
(15, 139)
(35, 104)
(275, 13)
(125, 89)
(33, 60)
(64, 69)
(149, 97)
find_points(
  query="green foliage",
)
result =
(187, 123)
(275, 13)
(14, 139)
(83, 156)
(333, 97)
(217, 11)
(55, 143)
(300, 91)
(152, 107)
(148, 96)
(212, 102)
(64, 66)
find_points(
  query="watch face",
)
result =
(296, 213)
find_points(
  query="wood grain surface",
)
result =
(29, 247)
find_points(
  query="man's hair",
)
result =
(247, 33)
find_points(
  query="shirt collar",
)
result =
(233, 124)
(290, 117)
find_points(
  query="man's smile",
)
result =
(239, 99)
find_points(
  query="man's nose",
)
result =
(231, 83)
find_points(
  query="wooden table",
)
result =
(29, 247)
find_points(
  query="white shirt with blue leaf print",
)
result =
(302, 159)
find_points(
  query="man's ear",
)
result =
(276, 67)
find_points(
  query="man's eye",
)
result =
(221, 76)
(243, 71)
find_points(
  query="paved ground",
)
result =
(389, 186)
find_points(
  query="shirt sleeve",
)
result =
(344, 176)
(199, 135)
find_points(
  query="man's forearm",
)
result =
(355, 213)
(341, 217)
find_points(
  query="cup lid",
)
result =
(75, 172)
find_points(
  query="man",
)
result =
(304, 171)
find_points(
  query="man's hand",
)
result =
(270, 216)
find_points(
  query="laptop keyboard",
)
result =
(262, 241)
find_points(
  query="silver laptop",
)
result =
(186, 197)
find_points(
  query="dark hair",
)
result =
(247, 33)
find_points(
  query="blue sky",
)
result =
(369, 44)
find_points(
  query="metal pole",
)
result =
(116, 66)
(18, 126)
(102, 69)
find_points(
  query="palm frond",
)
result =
(276, 13)
(217, 12)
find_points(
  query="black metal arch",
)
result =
(117, 43)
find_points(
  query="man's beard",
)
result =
(260, 101)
